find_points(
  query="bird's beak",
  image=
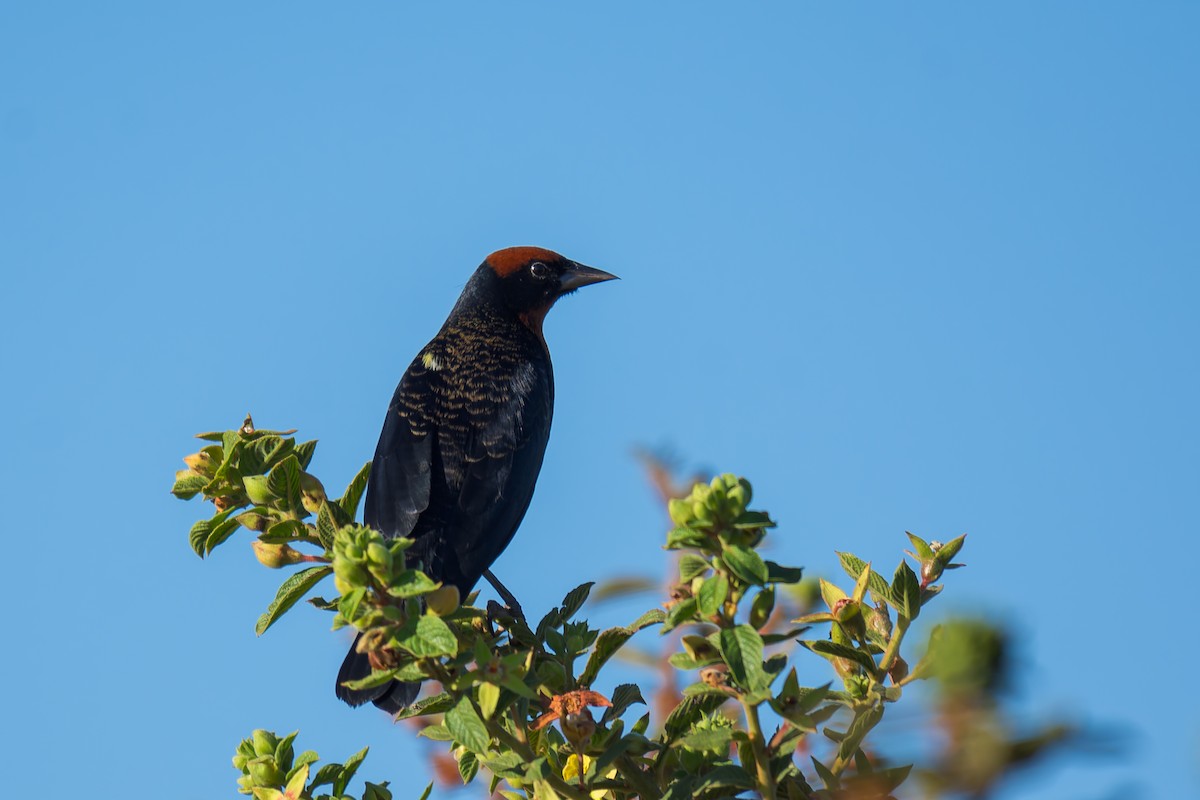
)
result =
(579, 275)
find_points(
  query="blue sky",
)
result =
(929, 268)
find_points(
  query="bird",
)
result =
(466, 432)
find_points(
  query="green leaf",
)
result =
(860, 726)
(284, 482)
(681, 612)
(949, 550)
(749, 520)
(682, 787)
(327, 526)
(428, 790)
(655, 616)
(625, 695)
(875, 583)
(826, 775)
(438, 704)
(691, 566)
(830, 649)
(685, 537)
(489, 696)
(348, 502)
(742, 649)
(906, 591)
(219, 533)
(725, 776)
(467, 727)
(714, 739)
(779, 574)
(201, 530)
(763, 605)
(304, 452)
(429, 636)
(712, 595)
(351, 767)
(285, 531)
(376, 791)
(575, 600)
(506, 764)
(326, 774)
(412, 583)
(436, 733)
(745, 564)
(924, 551)
(290, 591)
(688, 713)
(468, 767)
(376, 678)
(188, 485)
(258, 456)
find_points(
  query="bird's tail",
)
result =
(393, 696)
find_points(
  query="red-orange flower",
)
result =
(570, 703)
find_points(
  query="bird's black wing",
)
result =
(504, 459)
(398, 489)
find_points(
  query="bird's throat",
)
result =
(534, 318)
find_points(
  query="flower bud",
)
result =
(379, 555)
(312, 493)
(442, 601)
(257, 490)
(264, 742)
(578, 727)
(879, 620)
(264, 771)
(275, 556)
(715, 676)
(680, 511)
(347, 575)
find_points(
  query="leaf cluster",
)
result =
(271, 770)
(515, 700)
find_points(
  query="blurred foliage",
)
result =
(513, 705)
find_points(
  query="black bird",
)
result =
(464, 436)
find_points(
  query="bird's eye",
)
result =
(539, 270)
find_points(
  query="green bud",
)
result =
(257, 490)
(264, 742)
(738, 498)
(442, 601)
(380, 555)
(347, 575)
(680, 511)
(312, 493)
(276, 556)
(265, 772)
(253, 520)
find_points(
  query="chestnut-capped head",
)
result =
(527, 280)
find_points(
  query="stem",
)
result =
(893, 648)
(766, 781)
